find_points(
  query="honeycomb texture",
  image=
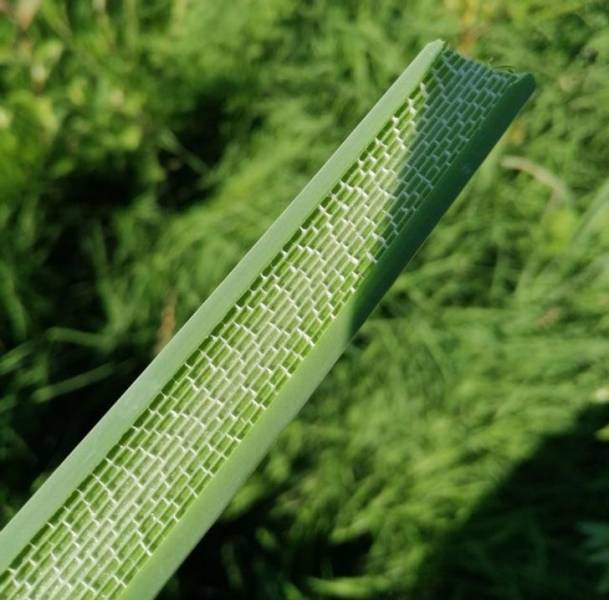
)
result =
(95, 543)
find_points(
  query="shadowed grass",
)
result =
(490, 555)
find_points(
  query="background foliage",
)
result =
(459, 448)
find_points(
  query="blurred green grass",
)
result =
(459, 448)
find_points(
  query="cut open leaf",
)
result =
(125, 508)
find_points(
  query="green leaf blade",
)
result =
(129, 503)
